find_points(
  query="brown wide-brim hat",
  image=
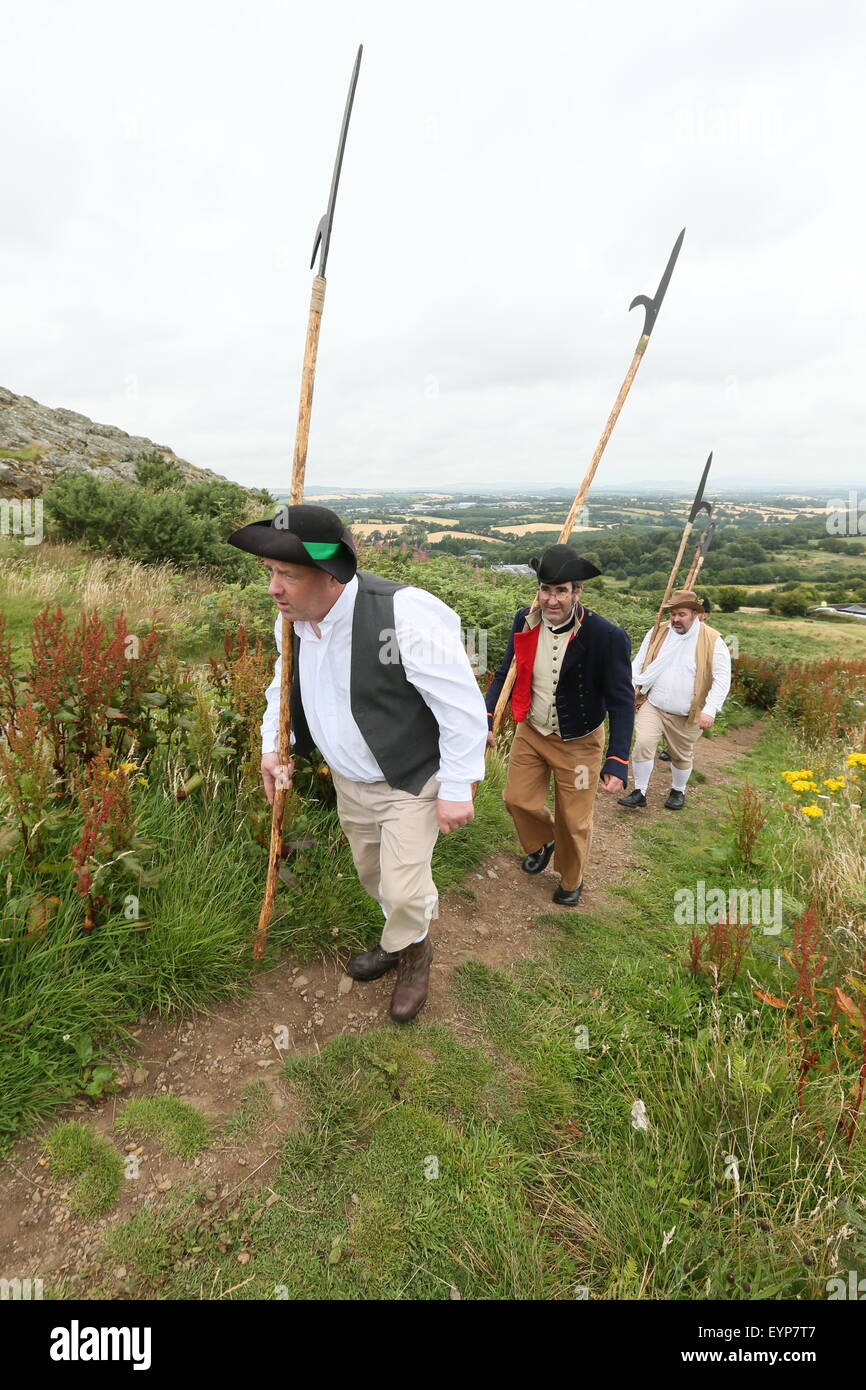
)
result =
(685, 598)
(302, 535)
(561, 564)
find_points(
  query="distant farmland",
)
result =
(436, 536)
(531, 528)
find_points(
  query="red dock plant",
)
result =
(806, 958)
(105, 802)
(855, 1015)
(748, 817)
(26, 773)
(720, 953)
(83, 681)
(238, 680)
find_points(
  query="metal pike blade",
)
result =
(653, 305)
(323, 231)
(699, 505)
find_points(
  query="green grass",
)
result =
(28, 455)
(792, 639)
(198, 917)
(253, 1112)
(543, 1183)
(508, 1167)
(401, 1184)
(75, 1151)
(20, 611)
(179, 1128)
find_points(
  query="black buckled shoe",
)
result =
(634, 798)
(676, 800)
(568, 897)
(369, 965)
(534, 863)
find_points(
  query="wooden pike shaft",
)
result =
(505, 694)
(697, 566)
(296, 496)
(687, 531)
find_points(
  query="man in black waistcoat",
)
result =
(573, 668)
(382, 686)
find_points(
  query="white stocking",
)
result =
(641, 772)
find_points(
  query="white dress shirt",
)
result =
(428, 640)
(674, 689)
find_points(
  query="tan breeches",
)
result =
(575, 764)
(391, 835)
(681, 736)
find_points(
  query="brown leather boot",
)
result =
(413, 976)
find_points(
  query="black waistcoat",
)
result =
(398, 727)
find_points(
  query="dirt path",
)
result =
(208, 1059)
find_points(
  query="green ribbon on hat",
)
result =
(321, 550)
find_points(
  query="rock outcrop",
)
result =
(37, 443)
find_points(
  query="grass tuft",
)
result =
(75, 1151)
(178, 1127)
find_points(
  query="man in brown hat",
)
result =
(706, 607)
(682, 677)
(382, 686)
(573, 668)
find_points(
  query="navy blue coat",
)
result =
(595, 681)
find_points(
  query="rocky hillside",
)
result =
(37, 443)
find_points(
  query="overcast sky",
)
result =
(515, 174)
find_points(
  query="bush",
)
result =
(824, 698)
(794, 603)
(729, 599)
(161, 527)
(226, 503)
(83, 509)
(186, 525)
(155, 473)
(758, 679)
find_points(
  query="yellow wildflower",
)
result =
(811, 811)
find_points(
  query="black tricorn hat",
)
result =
(560, 564)
(302, 535)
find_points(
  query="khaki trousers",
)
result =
(575, 764)
(391, 835)
(681, 736)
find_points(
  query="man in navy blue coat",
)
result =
(573, 668)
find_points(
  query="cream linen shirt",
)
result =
(545, 677)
